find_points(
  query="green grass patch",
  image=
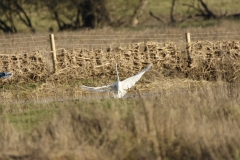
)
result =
(31, 119)
(28, 115)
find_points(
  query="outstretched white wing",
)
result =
(129, 82)
(99, 89)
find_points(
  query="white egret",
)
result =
(119, 87)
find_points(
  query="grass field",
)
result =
(194, 117)
(201, 122)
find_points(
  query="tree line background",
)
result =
(59, 15)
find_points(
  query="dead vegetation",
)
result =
(34, 80)
(215, 61)
(209, 61)
(194, 118)
(198, 123)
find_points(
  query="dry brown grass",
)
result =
(199, 123)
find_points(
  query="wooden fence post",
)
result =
(53, 50)
(188, 46)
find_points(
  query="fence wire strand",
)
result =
(13, 44)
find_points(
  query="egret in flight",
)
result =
(119, 87)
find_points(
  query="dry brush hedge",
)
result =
(209, 61)
(25, 67)
(215, 61)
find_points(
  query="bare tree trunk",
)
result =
(157, 18)
(5, 28)
(173, 11)
(202, 9)
(138, 11)
(25, 18)
(77, 21)
(56, 17)
(209, 12)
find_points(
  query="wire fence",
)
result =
(13, 44)
(74, 63)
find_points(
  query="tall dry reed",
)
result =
(198, 123)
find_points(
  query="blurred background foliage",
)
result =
(59, 15)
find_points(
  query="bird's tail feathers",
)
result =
(120, 94)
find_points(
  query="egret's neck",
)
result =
(117, 74)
